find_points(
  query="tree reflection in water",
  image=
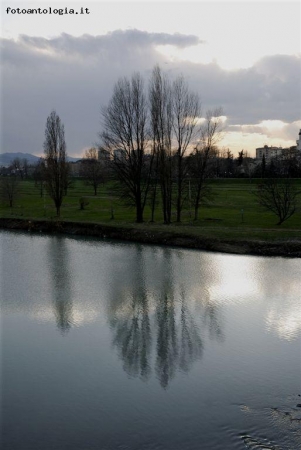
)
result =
(61, 283)
(133, 332)
(167, 339)
(133, 337)
(158, 311)
(191, 342)
(212, 322)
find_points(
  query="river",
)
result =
(109, 345)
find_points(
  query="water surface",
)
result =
(107, 345)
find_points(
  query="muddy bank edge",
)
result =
(161, 237)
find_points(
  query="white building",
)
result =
(268, 152)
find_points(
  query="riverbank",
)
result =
(160, 235)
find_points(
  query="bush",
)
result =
(83, 202)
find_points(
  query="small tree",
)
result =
(39, 176)
(279, 196)
(240, 158)
(83, 202)
(25, 167)
(9, 189)
(199, 190)
(229, 163)
(16, 167)
(91, 169)
(56, 166)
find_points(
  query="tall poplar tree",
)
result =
(56, 165)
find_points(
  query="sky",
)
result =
(242, 56)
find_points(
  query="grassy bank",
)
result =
(222, 221)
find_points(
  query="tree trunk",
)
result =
(196, 212)
(139, 209)
(139, 215)
(179, 201)
(197, 200)
(180, 180)
(154, 202)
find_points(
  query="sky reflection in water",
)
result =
(184, 320)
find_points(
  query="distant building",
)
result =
(273, 152)
(75, 168)
(119, 154)
(268, 152)
(103, 155)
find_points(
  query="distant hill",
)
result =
(7, 158)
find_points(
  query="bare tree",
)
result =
(229, 163)
(10, 189)
(56, 165)
(16, 167)
(160, 99)
(25, 166)
(152, 153)
(125, 131)
(278, 195)
(199, 171)
(92, 170)
(174, 114)
(240, 158)
(210, 134)
(186, 111)
(16, 164)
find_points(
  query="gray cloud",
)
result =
(75, 76)
(87, 46)
(267, 91)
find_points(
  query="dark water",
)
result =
(120, 346)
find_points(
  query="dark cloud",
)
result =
(75, 76)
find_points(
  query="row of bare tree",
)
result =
(150, 134)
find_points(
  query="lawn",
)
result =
(232, 213)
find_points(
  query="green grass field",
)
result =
(223, 218)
